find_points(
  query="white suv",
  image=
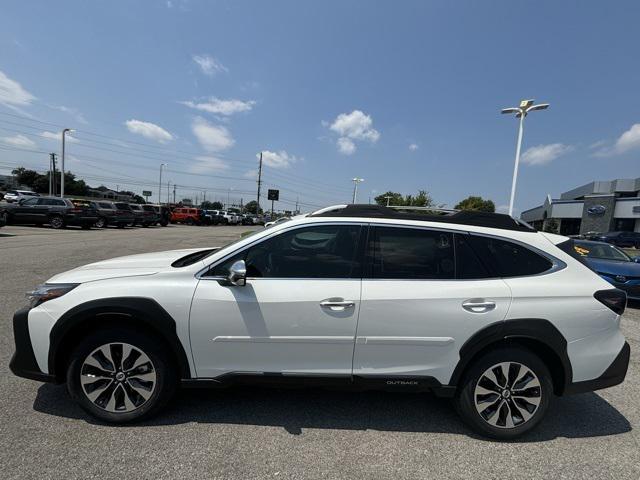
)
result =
(469, 305)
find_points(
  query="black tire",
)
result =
(465, 400)
(164, 386)
(56, 221)
(101, 222)
(190, 221)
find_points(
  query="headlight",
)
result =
(45, 292)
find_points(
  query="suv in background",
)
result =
(138, 213)
(164, 214)
(54, 211)
(17, 195)
(473, 306)
(188, 215)
(107, 213)
(150, 216)
(210, 217)
(227, 218)
(619, 239)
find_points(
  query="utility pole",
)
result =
(52, 180)
(160, 184)
(64, 132)
(168, 191)
(53, 189)
(297, 199)
(388, 198)
(174, 193)
(259, 184)
(356, 181)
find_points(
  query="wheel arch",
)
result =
(539, 336)
(138, 312)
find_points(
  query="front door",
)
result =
(426, 294)
(25, 212)
(297, 313)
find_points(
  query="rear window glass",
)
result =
(509, 259)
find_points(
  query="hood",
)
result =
(628, 269)
(129, 266)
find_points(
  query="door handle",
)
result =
(337, 304)
(478, 305)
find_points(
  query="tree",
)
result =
(26, 177)
(476, 203)
(422, 199)
(251, 207)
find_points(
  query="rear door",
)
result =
(425, 295)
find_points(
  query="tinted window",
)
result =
(105, 205)
(31, 201)
(509, 259)
(412, 253)
(328, 251)
(148, 208)
(468, 265)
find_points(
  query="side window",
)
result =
(468, 265)
(407, 253)
(509, 259)
(31, 201)
(327, 251)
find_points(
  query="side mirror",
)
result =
(238, 274)
(636, 259)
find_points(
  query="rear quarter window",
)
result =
(509, 259)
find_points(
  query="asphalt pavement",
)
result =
(256, 433)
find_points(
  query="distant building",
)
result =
(599, 206)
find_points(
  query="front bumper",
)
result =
(613, 375)
(23, 363)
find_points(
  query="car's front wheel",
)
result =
(119, 375)
(101, 222)
(505, 394)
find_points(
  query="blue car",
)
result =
(612, 264)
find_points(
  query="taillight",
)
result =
(613, 298)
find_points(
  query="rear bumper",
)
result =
(613, 375)
(23, 363)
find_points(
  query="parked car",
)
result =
(55, 211)
(3, 218)
(226, 218)
(107, 213)
(150, 216)
(612, 264)
(164, 213)
(16, 195)
(249, 219)
(619, 239)
(471, 305)
(126, 210)
(279, 220)
(138, 214)
(188, 215)
(210, 217)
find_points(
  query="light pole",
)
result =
(160, 184)
(64, 132)
(525, 107)
(356, 181)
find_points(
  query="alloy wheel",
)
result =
(118, 377)
(507, 395)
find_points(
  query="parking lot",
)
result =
(259, 433)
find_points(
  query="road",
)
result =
(292, 434)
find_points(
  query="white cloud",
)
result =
(544, 154)
(213, 138)
(629, 140)
(502, 208)
(351, 127)
(209, 65)
(346, 146)
(208, 163)
(12, 94)
(19, 141)
(58, 137)
(221, 107)
(74, 112)
(149, 130)
(279, 159)
(413, 147)
(253, 174)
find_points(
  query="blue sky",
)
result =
(403, 94)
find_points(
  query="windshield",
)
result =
(600, 251)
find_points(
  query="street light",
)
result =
(160, 184)
(525, 107)
(356, 181)
(64, 132)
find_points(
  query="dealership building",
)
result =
(600, 206)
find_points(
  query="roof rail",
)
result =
(461, 217)
(424, 209)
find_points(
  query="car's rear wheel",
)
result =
(505, 394)
(119, 375)
(101, 222)
(56, 222)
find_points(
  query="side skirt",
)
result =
(399, 383)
